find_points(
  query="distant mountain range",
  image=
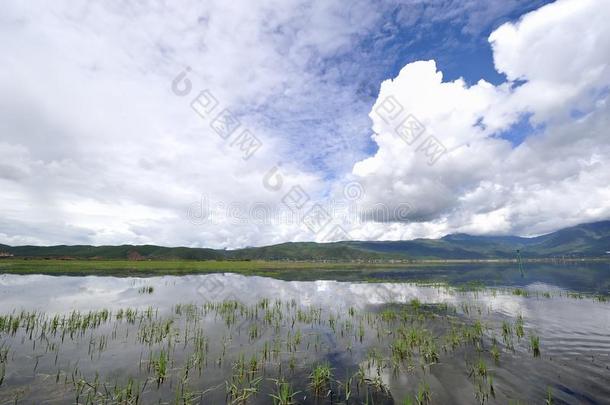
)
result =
(586, 240)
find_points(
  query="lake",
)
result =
(453, 334)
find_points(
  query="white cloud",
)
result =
(559, 176)
(93, 138)
(95, 148)
(561, 50)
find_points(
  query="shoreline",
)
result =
(113, 267)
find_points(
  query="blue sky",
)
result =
(457, 41)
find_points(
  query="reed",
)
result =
(284, 394)
(423, 396)
(535, 345)
(320, 378)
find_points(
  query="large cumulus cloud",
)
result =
(557, 67)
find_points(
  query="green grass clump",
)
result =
(146, 289)
(284, 394)
(320, 378)
(423, 396)
(520, 292)
(495, 352)
(549, 397)
(3, 361)
(519, 331)
(535, 345)
(160, 366)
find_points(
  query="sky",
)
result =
(231, 124)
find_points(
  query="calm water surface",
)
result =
(289, 327)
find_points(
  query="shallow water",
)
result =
(342, 323)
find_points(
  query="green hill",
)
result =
(587, 240)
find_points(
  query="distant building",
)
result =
(6, 254)
(135, 255)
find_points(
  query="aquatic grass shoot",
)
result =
(320, 378)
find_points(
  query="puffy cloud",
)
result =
(556, 62)
(95, 147)
(560, 50)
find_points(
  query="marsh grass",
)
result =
(3, 360)
(320, 378)
(262, 344)
(535, 345)
(423, 396)
(495, 352)
(519, 331)
(284, 394)
(146, 289)
(549, 397)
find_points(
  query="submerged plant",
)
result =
(519, 327)
(320, 378)
(160, 366)
(549, 397)
(423, 396)
(149, 289)
(3, 361)
(495, 352)
(284, 394)
(481, 368)
(407, 401)
(535, 345)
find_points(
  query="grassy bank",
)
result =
(280, 269)
(174, 267)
